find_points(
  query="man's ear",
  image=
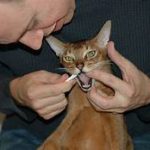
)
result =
(57, 45)
(103, 36)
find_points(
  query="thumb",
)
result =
(53, 78)
(62, 78)
(115, 56)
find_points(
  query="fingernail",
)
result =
(64, 76)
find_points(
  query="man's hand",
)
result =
(42, 91)
(131, 92)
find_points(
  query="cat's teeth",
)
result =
(86, 86)
(71, 77)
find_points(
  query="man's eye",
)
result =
(68, 59)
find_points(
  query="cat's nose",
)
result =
(80, 66)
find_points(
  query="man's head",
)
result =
(28, 21)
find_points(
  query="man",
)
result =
(28, 21)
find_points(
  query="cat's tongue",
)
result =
(84, 82)
(84, 78)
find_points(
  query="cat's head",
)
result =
(84, 56)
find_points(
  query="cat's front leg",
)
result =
(50, 145)
(53, 142)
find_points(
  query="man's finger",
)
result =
(110, 80)
(47, 90)
(123, 63)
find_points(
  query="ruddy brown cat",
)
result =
(84, 128)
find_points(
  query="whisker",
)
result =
(106, 62)
(62, 69)
(102, 64)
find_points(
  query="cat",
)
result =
(84, 128)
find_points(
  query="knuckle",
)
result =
(39, 75)
(105, 105)
(39, 112)
(30, 93)
(64, 103)
(45, 117)
(34, 105)
(97, 108)
(48, 116)
(61, 106)
(131, 92)
(68, 87)
(125, 104)
(121, 111)
(41, 72)
(92, 95)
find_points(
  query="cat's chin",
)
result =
(85, 82)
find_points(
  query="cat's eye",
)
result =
(68, 58)
(91, 54)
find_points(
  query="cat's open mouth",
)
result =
(84, 81)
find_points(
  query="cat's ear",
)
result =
(57, 45)
(103, 36)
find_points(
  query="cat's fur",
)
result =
(84, 128)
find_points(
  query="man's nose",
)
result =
(33, 39)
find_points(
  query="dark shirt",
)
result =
(130, 32)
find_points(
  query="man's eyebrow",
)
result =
(7, 1)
